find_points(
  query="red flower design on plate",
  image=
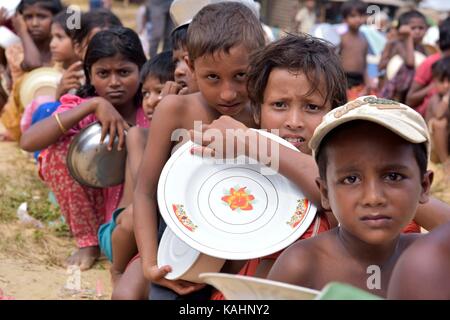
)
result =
(239, 199)
(300, 213)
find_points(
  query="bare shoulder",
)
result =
(422, 272)
(172, 103)
(181, 108)
(344, 39)
(297, 264)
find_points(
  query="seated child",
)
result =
(438, 113)
(218, 58)
(372, 156)
(183, 75)
(111, 96)
(116, 238)
(422, 272)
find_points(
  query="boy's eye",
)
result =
(145, 94)
(350, 180)
(241, 76)
(279, 104)
(124, 72)
(312, 107)
(212, 77)
(393, 176)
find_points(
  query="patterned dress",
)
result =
(84, 208)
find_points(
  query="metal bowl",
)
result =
(91, 163)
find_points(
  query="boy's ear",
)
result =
(190, 64)
(256, 116)
(427, 180)
(322, 185)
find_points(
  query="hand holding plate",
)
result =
(223, 138)
(181, 287)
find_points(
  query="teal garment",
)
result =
(105, 234)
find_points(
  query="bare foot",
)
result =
(84, 257)
(115, 276)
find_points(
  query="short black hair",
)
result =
(314, 57)
(54, 6)
(160, 66)
(444, 34)
(179, 37)
(441, 69)
(220, 27)
(419, 149)
(407, 16)
(349, 6)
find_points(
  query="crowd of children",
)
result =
(363, 159)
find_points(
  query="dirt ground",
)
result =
(31, 259)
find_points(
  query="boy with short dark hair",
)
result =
(220, 39)
(372, 156)
(353, 49)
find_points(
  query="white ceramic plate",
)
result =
(186, 262)
(231, 211)
(236, 287)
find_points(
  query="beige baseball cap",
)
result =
(395, 116)
(183, 11)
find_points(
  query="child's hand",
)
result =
(213, 138)
(404, 31)
(111, 121)
(181, 287)
(170, 87)
(19, 24)
(72, 79)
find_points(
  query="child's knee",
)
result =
(125, 220)
(122, 292)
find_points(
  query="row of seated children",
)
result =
(219, 67)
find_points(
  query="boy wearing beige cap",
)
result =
(372, 156)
